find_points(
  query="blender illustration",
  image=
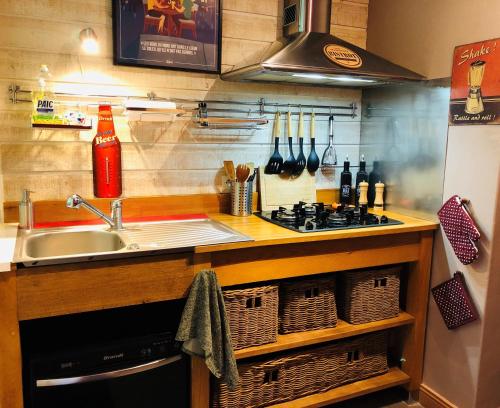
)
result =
(474, 103)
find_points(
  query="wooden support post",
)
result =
(416, 305)
(11, 395)
(200, 375)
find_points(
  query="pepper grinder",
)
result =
(363, 200)
(378, 205)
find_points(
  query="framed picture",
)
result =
(170, 34)
(475, 84)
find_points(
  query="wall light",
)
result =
(88, 39)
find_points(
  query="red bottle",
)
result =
(106, 157)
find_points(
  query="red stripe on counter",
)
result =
(152, 218)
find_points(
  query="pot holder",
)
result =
(454, 302)
(460, 229)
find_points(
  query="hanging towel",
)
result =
(204, 328)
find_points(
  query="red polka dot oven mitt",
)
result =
(460, 229)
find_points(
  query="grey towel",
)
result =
(204, 328)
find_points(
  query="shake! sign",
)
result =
(475, 84)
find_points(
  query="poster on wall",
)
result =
(475, 84)
(172, 34)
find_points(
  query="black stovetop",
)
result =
(318, 217)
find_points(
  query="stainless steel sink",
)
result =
(71, 243)
(75, 244)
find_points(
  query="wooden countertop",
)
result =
(265, 233)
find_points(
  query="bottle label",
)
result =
(346, 190)
(104, 139)
(45, 106)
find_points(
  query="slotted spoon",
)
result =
(275, 163)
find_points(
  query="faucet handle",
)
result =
(74, 201)
(117, 202)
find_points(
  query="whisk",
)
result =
(329, 159)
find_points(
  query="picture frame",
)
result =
(183, 35)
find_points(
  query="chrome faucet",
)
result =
(115, 221)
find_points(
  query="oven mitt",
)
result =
(460, 229)
(204, 328)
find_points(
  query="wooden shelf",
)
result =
(343, 330)
(392, 378)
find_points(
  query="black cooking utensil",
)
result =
(313, 159)
(301, 158)
(275, 163)
(290, 163)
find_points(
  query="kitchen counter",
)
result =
(265, 233)
(8, 234)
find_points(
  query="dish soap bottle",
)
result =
(106, 157)
(346, 184)
(44, 101)
(361, 175)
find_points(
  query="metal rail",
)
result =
(201, 108)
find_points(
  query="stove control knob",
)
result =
(384, 219)
(309, 226)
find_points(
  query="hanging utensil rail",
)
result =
(200, 109)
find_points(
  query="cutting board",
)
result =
(280, 190)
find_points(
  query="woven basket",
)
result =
(307, 305)
(253, 315)
(303, 373)
(367, 296)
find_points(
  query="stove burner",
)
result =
(304, 217)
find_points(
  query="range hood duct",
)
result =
(309, 54)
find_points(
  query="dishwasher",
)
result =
(122, 365)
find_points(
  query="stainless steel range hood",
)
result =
(308, 54)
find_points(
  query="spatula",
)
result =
(301, 158)
(290, 164)
(229, 167)
(275, 163)
(313, 159)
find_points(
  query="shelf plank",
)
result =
(343, 330)
(392, 378)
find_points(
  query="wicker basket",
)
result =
(367, 296)
(253, 315)
(307, 305)
(305, 372)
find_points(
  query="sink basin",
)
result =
(75, 244)
(70, 243)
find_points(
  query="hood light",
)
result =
(337, 78)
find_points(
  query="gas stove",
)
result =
(315, 217)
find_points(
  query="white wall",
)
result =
(421, 35)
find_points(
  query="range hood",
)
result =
(309, 54)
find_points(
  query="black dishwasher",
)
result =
(117, 359)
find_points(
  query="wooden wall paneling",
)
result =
(284, 261)
(11, 395)
(417, 297)
(166, 159)
(64, 289)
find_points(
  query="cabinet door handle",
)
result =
(109, 374)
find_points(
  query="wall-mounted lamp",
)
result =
(88, 39)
